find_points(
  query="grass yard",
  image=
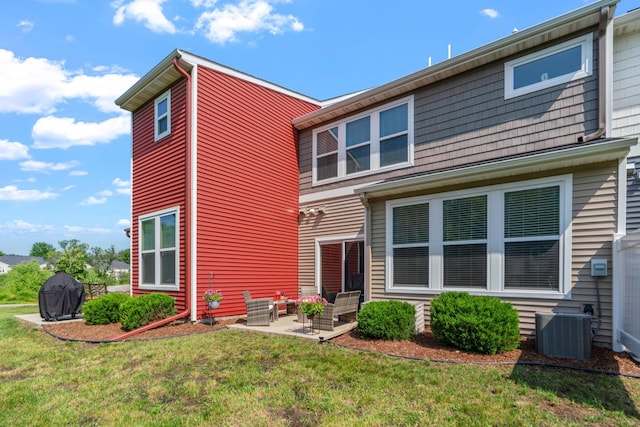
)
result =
(241, 378)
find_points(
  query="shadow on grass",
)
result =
(584, 386)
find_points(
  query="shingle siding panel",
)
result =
(465, 119)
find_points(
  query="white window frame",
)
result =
(374, 143)
(495, 240)
(157, 249)
(156, 118)
(586, 44)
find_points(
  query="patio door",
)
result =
(341, 267)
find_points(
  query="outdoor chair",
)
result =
(260, 311)
(345, 309)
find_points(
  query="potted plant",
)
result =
(311, 305)
(213, 297)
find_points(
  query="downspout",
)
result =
(602, 80)
(187, 210)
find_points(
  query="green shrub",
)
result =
(22, 283)
(389, 320)
(145, 309)
(479, 324)
(104, 310)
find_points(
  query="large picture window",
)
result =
(549, 67)
(159, 250)
(511, 238)
(376, 140)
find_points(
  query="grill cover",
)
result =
(61, 295)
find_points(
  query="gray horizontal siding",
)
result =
(465, 120)
(593, 224)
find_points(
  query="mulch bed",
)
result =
(423, 346)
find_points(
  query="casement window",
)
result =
(549, 67)
(159, 255)
(512, 238)
(379, 139)
(162, 115)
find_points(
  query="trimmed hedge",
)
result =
(104, 310)
(388, 320)
(479, 324)
(145, 309)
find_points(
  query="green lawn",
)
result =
(238, 378)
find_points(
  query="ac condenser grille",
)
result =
(564, 335)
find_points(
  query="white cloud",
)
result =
(78, 173)
(13, 193)
(204, 3)
(222, 24)
(123, 222)
(149, 12)
(93, 201)
(25, 227)
(13, 150)
(25, 25)
(68, 187)
(38, 85)
(80, 229)
(44, 167)
(121, 183)
(65, 132)
(105, 193)
(491, 13)
(101, 91)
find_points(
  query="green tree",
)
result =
(72, 259)
(42, 249)
(124, 256)
(101, 260)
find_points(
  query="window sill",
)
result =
(362, 174)
(549, 295)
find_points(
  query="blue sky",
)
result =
(65, 146)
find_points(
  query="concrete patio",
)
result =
(289, 325)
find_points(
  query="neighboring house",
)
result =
(494, 172)
(119, 269)
(7, 262)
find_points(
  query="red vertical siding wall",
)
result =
(247, 189)
(158, 177)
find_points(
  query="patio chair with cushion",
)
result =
(260, 311)
(345, 309)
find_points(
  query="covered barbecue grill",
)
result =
(61, 295)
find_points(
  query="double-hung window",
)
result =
(159, 255)
(511, 238)
(549, 67)
(162, 115)
(379, 139)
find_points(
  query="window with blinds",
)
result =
(465, 242)
(411, 245)
(503, 238)
(532, 238)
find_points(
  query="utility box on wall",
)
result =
(564, 335)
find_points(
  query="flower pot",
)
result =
(213, 304)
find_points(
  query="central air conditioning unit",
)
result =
(564, 335)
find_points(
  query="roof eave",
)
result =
(607, 150)
(568, 23)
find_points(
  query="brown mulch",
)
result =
(423, 346)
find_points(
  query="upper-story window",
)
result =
(162, 115)
(379, 139)
(549, 67)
